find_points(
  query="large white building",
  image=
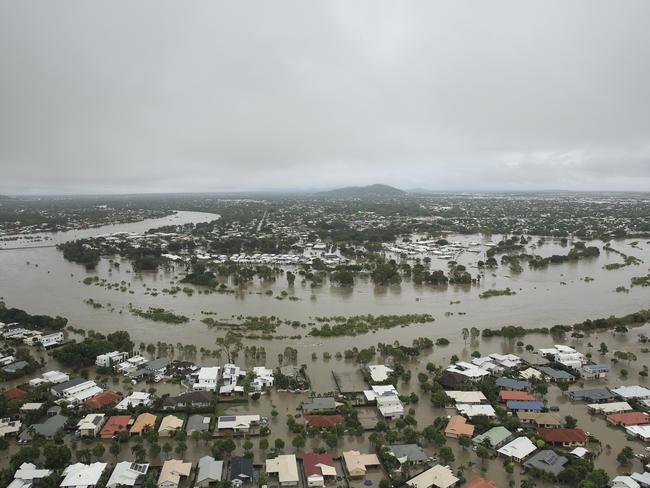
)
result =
(51, 340)
(379, 373)
(127, 473)
(285, 467)
(50, 377)
(387, 399)
(237, 423)
(435, 477)
(76, 391)
(263, 378)
(231, 375)
(111, 358)
(25, 476)
(81, 475)
(564, 355)
(130, 365)
(206, 379)
(472, 372)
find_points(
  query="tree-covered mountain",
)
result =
(363, 192)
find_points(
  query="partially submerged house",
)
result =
(358, 464)
(241, 470)
(495, 437)
(237, 423)
(563, 437)
(171, 473)
(114, 425)
(127, 473)
(169, 425)
(458, 426)
(318, 469)
(143, 422)
(91, 424)
(518, 449)
(285, 468)
(436, 477)
(210, 470)
(81, 475)
(547, 462)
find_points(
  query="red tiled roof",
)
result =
(480, 483)
(562, 435)
(507, 395)
(14, 394)
(115, 424)
(104, 398)
(323, 420)
(629, 418)
(310, 460)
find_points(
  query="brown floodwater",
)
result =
(41, 281)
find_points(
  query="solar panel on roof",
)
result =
(140, 468)
(227, 418)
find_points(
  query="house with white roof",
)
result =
(111, 358)
(436, 477)
(51, 340)
(390, 407)
(6, 360)
(473, 410)
(127, 473)
(379, 372)
(387, 400)
(634, 392)
(26, 474)
(9, 427)
(263, 378)
(206, 379)
(564, 355)
(531, 374)
(497, 363)
(134, 400)
(231, 375)
(624, 482)
(286, 469)
(642, 478)
(50, 377)
(518, 449)
(91, 424)
(237, 423)
(639, 431)
(81, 475)
(82, 392)
(607, 408)
(130, 365)
(470, 397)
(379, 390)
(470, 371)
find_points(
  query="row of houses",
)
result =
(31, 337)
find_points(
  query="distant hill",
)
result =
(363, 192)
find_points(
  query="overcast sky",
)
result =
(144, 96)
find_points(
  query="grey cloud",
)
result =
(170, 96)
